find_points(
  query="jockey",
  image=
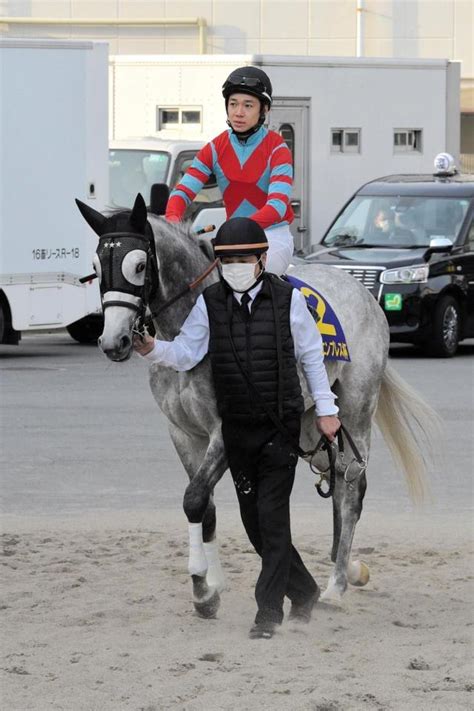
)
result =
(261, 321)
(252, 165)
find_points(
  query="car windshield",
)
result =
(132, 172)
(397, 221)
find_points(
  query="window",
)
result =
(406, 140)
(287, 132)
(404, 221)
(345, 140)
(175, 117)
(135, 171)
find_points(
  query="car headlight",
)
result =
(406, 275)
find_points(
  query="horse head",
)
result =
(123, 264)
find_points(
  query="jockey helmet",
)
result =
(248, 80)
(240, 237)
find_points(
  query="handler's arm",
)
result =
(309, 354)
(190, 345)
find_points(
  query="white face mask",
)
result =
(239, 276)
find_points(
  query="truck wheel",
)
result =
(446, 328)
(8, 335)
(87, 329)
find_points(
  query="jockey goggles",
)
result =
(259, 89)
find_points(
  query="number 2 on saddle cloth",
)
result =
(334, 341)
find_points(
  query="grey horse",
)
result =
(367, 387)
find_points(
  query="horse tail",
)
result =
(410, 428)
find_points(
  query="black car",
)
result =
(410, 240)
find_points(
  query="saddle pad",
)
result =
(334, 340)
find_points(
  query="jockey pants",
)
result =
(280, 249)
(262, 464)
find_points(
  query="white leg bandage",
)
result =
(215, 575)
(197, 564)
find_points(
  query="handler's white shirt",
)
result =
(192, 344)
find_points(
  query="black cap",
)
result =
(239, 237)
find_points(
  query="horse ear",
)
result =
(94, 219)
(139, 214)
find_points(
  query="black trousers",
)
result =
(262, 463)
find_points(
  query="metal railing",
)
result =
(198, 22)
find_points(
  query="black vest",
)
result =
(255, 339)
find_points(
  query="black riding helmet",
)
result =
(239, 237)
(248, 80)
(253, 81)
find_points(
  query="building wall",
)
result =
(399, 28)
(392, 28)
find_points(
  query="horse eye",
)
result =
(133, 267)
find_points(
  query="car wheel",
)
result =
(446, 328)
(87, 329)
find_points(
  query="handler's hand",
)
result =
(328, 426)
(144, 345)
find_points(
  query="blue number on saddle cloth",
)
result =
(334, 340)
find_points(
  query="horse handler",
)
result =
(256, 329)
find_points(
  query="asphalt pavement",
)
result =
(81, 434)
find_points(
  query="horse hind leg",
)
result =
(347, 502)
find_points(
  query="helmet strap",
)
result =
(243, 136)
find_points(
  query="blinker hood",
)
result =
(116, 263)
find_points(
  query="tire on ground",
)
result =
(446, 328)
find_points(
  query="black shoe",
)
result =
(302, 612)
(262, 630)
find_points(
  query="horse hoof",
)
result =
(358, 573)
(331, 596)
(207, 609)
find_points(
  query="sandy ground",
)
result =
(97, 615)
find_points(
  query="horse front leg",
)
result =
(204, 564)
(205, 463)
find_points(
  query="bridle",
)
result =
(144, 295)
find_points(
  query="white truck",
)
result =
(54, 143)
(346, 120)
(135, 165)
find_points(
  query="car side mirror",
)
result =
(159, 195)
(440, 244)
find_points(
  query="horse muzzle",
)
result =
(119, 350)
(119, 317)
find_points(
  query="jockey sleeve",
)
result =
(255, 178)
